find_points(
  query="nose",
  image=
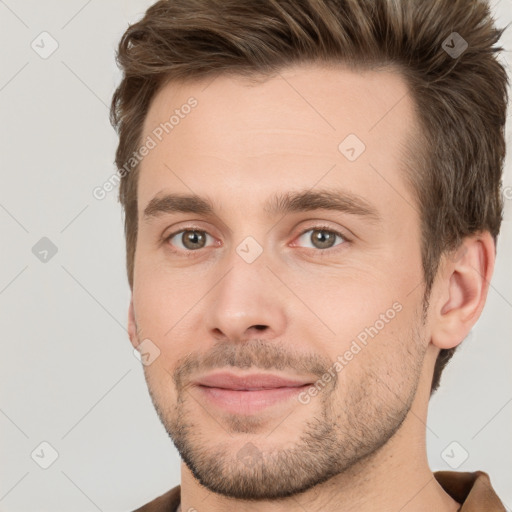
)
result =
(246, 303)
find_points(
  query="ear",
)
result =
(132, 325)
(462, 285)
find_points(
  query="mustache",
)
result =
(251, 354)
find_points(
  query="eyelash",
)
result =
(321, 252)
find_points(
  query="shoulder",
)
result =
(473, 489)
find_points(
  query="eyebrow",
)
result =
(278, 204)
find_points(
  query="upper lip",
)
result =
(249, 382)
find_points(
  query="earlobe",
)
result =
(132, 325)
(462, 285)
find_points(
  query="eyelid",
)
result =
(182, 226)
(322, 227)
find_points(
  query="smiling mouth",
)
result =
(248, 394)
(248, 401)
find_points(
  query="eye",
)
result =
(321, 238)
(189, 239)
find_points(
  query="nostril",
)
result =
(260, 327)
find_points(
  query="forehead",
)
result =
(286, 131)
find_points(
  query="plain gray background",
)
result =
(68, 374)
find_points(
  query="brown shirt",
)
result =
(472, 490)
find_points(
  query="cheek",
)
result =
(375, 327)
(381, 372)
(167, 307)
(161, 388)
(349, 301)
(162, 298)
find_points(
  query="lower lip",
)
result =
(249, 402)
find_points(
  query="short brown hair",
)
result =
(460, 100)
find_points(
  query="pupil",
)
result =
(192, 238)
(323, 239)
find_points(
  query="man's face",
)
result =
(324, 289)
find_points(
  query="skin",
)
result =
(359, 444)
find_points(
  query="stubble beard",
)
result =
(346, 426)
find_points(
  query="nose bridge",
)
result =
(248, 274)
